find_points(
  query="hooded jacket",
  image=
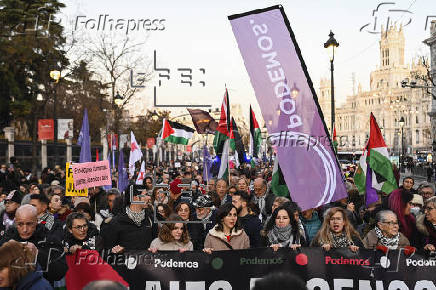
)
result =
(217, 240)
(33, 281)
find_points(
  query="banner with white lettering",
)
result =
(239, 269)
(289, 106)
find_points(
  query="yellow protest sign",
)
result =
(69, 183)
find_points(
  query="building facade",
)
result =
(431, 42)
(387, 100)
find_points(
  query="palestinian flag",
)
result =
(255, 135)
(236, 144)
(375, 170)
(278, 184)
(222, 132)
(223, 172)
(176, 133)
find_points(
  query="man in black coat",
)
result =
(263, 199)
(249, 221)
(50, 252)
(206, 213)
(133, 229)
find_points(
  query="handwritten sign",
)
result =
(91, 174)
(70, 190)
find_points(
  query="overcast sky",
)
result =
(196, 34)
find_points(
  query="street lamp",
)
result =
(294, 92)
(56, 76)
(402, 143)
(118, 100)
(331, 44)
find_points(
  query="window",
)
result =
(417, 119)
(417, 137)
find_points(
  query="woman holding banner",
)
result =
(172, 237)
(282, 229)
(227, 234)
(337, 232)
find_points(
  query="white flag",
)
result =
(141, 175)
(135, 154)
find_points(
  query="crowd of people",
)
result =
(176, 210)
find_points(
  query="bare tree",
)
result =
(114, 60)
(424, 77)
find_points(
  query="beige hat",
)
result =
(55, 182)
(80, 199)
(417, 199)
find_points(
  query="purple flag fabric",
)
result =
(207, 164)
(123, 179)
(289, 106)
(371, 193)
(84, 140)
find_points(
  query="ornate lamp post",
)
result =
(331, 45)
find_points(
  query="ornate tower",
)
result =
(392, 47)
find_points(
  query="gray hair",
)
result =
(426, 185)
(27, 209)
(380, 216)
(431, 200)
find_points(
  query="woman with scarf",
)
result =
(426, 225)
(385, 233)
(337, 232)
(283, 229)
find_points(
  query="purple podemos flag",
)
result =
(289, 106)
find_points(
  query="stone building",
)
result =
(431, 42)
(387, 100)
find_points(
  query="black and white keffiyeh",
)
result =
(136, 217)
(282, 236)
(340, 241)
(391, 243)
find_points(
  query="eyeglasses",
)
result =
(391, 223)
(428, 208)
(81, 228)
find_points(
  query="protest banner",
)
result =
(91, 174)
(239, 269)
(289, 106)
(70, 190)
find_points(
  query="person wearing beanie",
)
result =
(7, 216)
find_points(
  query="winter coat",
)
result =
(171, 246)
(50, 251)
(98, 202)
(124, 232)
(426, 232)
(199, 232)
(311, 226)
(217, 240)
(91, 242)
(371, 240)
(252, 227)
(33, 281)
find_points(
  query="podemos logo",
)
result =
(260, 261)
(346, 261)
(175, 264)
(420, 263)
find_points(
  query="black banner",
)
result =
(336, 269)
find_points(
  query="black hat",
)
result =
(203, 201)
(15, 195)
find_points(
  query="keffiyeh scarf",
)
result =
(391, 243)
(340, 241)
(47, 220)
(136, 217)
(282, 236)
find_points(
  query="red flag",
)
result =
(96, 155)
(86, 266)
